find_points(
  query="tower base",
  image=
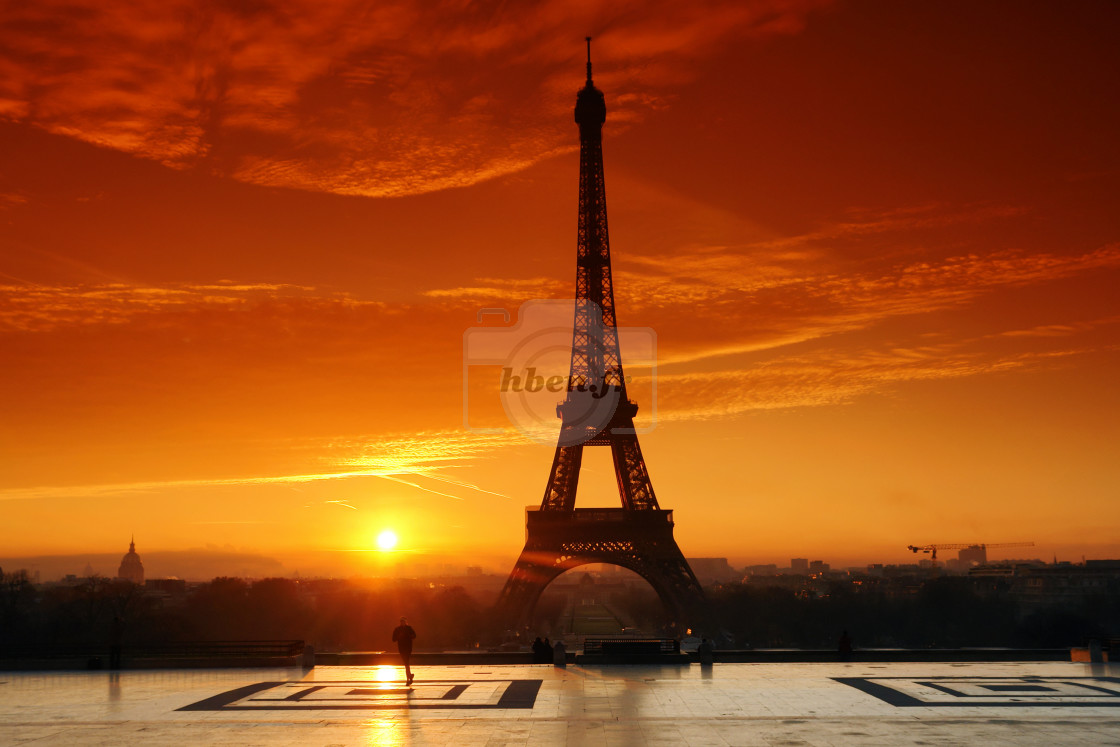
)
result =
(640, 541)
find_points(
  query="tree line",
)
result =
(335, 617)
(945, 612)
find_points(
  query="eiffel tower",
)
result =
(597, 412)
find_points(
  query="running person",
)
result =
(403, 634)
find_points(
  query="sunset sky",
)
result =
(243, 247)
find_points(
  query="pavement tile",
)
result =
(752, 705)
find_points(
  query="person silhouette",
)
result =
(706, 652)
(844, 646)
(403, 634)
(116, 641)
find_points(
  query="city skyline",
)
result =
(205, 564)
(876, 245)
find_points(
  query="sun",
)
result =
(387, 540)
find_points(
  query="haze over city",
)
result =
(242, 251)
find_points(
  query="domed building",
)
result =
(131, 568)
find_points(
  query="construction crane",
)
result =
(932, 549)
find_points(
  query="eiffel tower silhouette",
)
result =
(597, 412)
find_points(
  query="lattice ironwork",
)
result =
(641, 541)
(596, 367)
(639, 536)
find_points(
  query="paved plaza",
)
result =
(725, 704)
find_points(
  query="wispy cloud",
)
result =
(786, 306)
(408, 460)
(1060, 330)
(832, 378)
(11, 199)
(860, 222)
(341, 504)
(501, 290)
(31, 307)
(714, 271)
(347, 96)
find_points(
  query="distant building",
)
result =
(166, 585)
(765, 569)
(131, 568)
(712, 570)
(799, 565)
(1035, 584)
(818, 566)
(973, 555)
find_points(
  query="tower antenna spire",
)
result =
(588, 59)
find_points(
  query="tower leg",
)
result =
(532, 572)
(560, 495)
(626, 539)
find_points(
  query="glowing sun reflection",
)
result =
(385, 673)
(386, 732)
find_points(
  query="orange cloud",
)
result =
(831, 377)
(349, 97)
(29, 308)
(417, 460)
(764, 306)
(500, 290)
